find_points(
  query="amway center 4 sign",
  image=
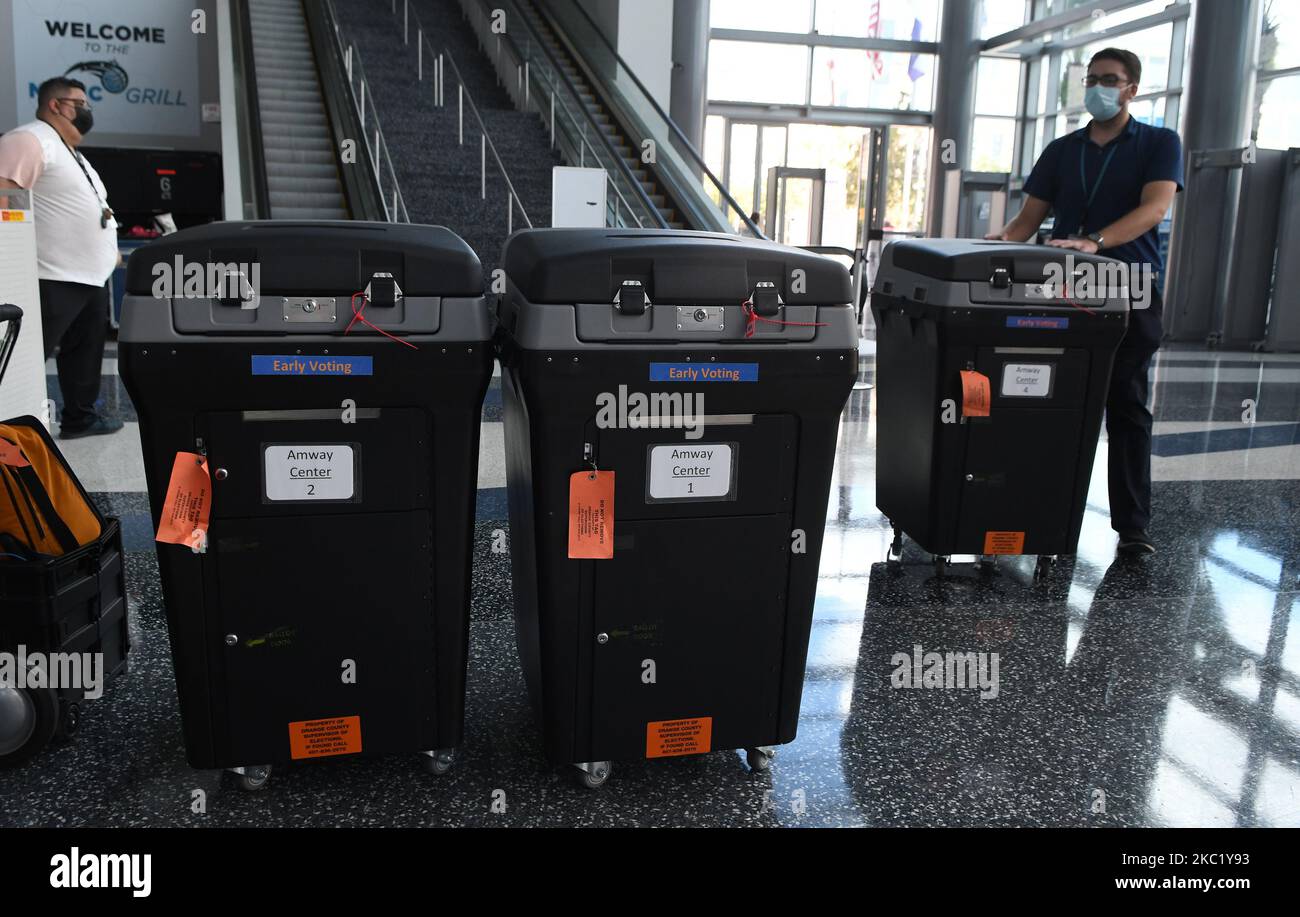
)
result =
(138, 59)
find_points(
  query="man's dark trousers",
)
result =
(1128, 420)
(74, 317)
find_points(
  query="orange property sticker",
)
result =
(11, 216)
(1004, 542)
(12, 455)
(975, 394)
(188, 502)
(335, 735)
(591, 515)
(667, 738)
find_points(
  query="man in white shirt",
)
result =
(76, 244)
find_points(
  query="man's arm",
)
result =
(21, 161)
(1021, 229)
(1157, 196)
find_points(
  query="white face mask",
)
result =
(1102, 102)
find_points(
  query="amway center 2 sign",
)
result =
(138, 59)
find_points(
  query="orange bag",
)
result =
(42, 504)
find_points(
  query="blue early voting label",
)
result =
(1037, 321)
(703, 372)
(311, 365)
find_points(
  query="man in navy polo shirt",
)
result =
(1109, 184)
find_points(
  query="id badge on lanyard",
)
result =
(1083, 181)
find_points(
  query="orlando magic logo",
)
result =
(111, 75)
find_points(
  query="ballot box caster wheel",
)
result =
(69, 720)
(1043, 569)
(759, 759)
(941, 564)
(988, 564)
(439, 762)
(29, 717)
(254, 778)
(895, 556)
(593, 774)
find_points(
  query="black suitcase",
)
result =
(72, 604)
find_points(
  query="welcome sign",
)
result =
(138, 59)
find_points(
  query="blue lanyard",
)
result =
(1083, 180)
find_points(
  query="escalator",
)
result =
(296, 112)
(628, 150)
(554, 59)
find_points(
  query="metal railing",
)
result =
(252, 153)
(363, 102)
(540, 83)
(680, 166)
(438, 60)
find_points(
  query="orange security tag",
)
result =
(12, 455)
(188, 503)
(335, 735)
(591, 515)
(975, 395)
(666, 738)
(1004, 542)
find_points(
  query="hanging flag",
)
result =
(873, 31)
(914, 72)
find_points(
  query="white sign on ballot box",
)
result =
(310, 471)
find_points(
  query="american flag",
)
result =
(873, 31)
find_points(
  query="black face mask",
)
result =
(84, 121)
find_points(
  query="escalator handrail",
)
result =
(252, 113)
(638, 190)
(363, 194)
(397, 213)
(648, 206)
(423, 34)
(698, 160)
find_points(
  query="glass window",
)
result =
(748, 71)
(998, 16)
(1069, 94)
(1043, 136)
(993, 142)
(764, 15)
(1096, 23)
(1149, 111)
(872, 79)
(908, 169)
(1279, 129)
(772, 154)
(740, 177)
(997, 86)
(1071, 122)
(838, 150)
(715, 127)
(1152, 48)
(1279, 45)
(917, 20)
(1044, 91)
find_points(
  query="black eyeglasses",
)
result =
(76, 103)
(1110, 80)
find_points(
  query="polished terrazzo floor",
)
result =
(1162, 691)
